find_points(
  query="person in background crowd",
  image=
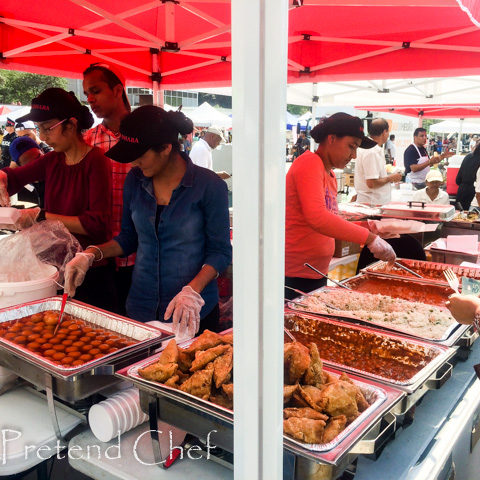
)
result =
(201, 153)
(77, 183)
(104, 87)
(312, 223)
(24, 150)
(432, 192)
(7, 139)
(302, 144)
(390, 150)
(473, 143)
(372, 184)
(416, 160)
(28, 129)
(187, 144)
(466, 178)
(175, 216)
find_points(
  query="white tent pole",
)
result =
(459, 139)
(259, 104)
(420, 120)
(155, 83)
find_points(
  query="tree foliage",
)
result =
(298, 109)
(22, 87)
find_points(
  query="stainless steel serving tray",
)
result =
(74, 383)
(449, 338)
(418, 211)
(419, 266)
(432, 377)
(442, 354)
(199, 417)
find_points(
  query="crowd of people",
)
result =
(154, 226)
(139, 193)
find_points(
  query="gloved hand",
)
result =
(185, 307)
(75, 271)
(4, 196)
(463, 307)
(375, 226)
(27, 218)
(382, 250)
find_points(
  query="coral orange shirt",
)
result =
(312, 223)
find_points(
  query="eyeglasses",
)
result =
(47, 130)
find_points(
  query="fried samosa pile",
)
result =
(318, 405)
(204, 369)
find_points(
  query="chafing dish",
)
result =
(199, 417)
(73, 384)
(450, 336)
(431, 271)
(418, 211)
(448, 256)
(432, 377)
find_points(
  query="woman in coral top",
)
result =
(312, 223)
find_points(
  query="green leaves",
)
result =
(22, 87)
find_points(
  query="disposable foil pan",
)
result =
(440, 353)
(299, 304)
(375, 394)
(143, 334)
(421, 267)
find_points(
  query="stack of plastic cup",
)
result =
(118, 413)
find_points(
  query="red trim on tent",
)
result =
(428, 111)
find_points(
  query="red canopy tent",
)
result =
(428, 111)
(187, 43)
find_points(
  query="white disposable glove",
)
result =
(4, 196)
(76, 270)
(382, 250)
(375, 226)
(185, 307)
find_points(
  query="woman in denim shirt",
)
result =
(175, 217)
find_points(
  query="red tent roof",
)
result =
(428, 111)
(328, 40)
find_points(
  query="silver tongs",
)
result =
(326, 276)
(411, 272)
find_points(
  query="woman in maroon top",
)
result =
(77, 182)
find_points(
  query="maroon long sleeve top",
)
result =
(82, 190)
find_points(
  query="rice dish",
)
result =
(411, 317)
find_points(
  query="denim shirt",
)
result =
(193, 230)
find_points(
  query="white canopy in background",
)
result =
(15, 112)
(205, 116)
(455, 126)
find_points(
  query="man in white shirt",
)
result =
(431, 193)
(390, 150)
(201, 153)
(372, 184)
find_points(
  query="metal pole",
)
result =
(460, 128)
(259, 74)
(420, 121)
(155, 84)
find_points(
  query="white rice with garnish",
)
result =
(412, 317)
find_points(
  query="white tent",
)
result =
(455, 126)
(206, 115)
(15, 112)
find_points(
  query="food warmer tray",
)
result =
(421, 267)
(418, 211)
(451, 337)
(431, 377)
(199, 417)
(75, 383)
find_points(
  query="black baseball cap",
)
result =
(342, 124)
(52, 103)
(147, 127)
(10, 122)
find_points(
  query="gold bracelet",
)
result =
(101, 253)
